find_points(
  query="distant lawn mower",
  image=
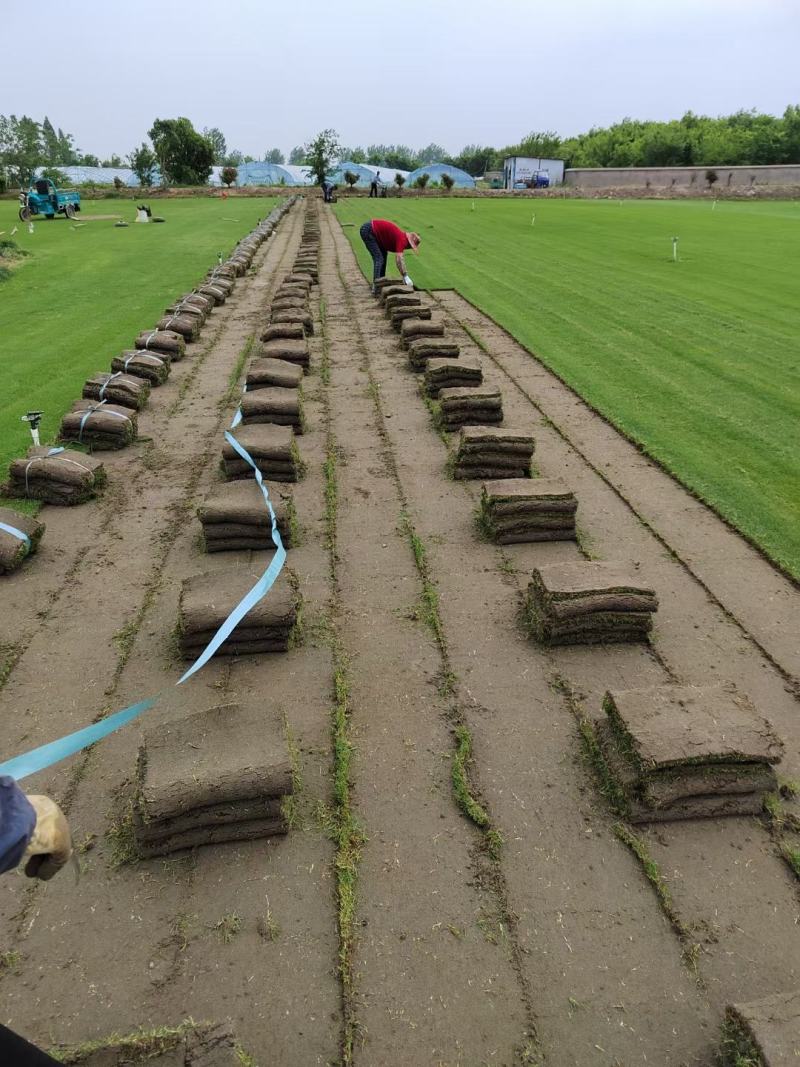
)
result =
(44, 199)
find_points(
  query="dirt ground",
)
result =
(552, 947)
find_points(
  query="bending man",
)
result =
(382, 237)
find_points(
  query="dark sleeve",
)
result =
(17, 823)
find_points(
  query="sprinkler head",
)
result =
(32, 417)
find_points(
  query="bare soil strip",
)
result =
(609, 976)
(435, 983)
(243, 933)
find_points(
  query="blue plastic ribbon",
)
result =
(16, 533)
(262, 586)
(237, 418)
(108, 382)
(99, 407)
(45, 756)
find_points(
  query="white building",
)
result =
(524, 169)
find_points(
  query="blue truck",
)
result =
(44, 199)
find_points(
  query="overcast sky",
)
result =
(384, 71)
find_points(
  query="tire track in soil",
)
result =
(435, 973)
(630, 995)
(273, 975)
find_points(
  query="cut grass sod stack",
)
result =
(470, 406)
(485, 453)
(189, 1045)
(219, 775)
(589, 603)
(13, 547)
(290, 349)
(207, 600)
(270, 371)
(55, 477)
(421, 349)
(284, 331)
(401, 300)
(278, 316)
(104, 427)
(213, 292)
(234, 517)
(154, 369)
(386, 291)
(273, 404)
(401, 315)
(413, 329)
(763, 1033)
(188, 326)
(118, 388)
(272, 449)
(685, 752)
(513, 510)
(451, 373)
(162, 341)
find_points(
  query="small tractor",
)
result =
(44, 199)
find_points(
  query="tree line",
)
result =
(184, 156)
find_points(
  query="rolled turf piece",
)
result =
(451, 373)
(191, 302)
(486, 453)
(401, 300)
(762, 1033)
(272, 404)
(272, 448)
(234, 517)
(221, 281)
(270, 371)
(305, 320)
(401, 315)
(286, 331)
(154, 369)
(219, 775)
(589, 603)
(515, 510)
(207, 600)
(213, 292)
(190, 1045)
(385, 291)
(288, 349)
(13, 547)
(414, 329)
(687, 752)
(118, 388)
(101, 426)
(290, 303)
(188, 326)
(56, 477)
(421, 349)
(162, 341)
(298, 291)
(297, 278)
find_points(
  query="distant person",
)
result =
(373, 185)
(33, 831)
(327, 191)
(382, 237)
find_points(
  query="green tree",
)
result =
(57, 177)
(234, 158)
(89, 160)
(355, 155)
(184, 156)
(113, 161)
(448, 181)
(432, 153)
(321, 153)
(216, 139)
(297, 156)
(350, 177)
(22, 148)
(274, 155)
(50, 141)
(422, 180)
(229, 175)
(143, 163)
(399, 181)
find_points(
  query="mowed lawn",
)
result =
(698, 361)
(85, 293)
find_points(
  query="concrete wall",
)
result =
(739, 178)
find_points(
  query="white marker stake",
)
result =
(473, 205)
(533, 220)
(674, 249)
(714, 206)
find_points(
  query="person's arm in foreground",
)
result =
(401, 266)
(32, 829)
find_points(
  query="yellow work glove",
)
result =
(50, 848)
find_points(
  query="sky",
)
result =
(453, 72)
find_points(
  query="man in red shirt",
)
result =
(382, 237)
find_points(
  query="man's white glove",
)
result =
(407, 281)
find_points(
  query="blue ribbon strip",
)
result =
(40, 758)
(99, 407)
(45, 756)
(108, 382)
(16, 533)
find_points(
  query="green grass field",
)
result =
(698, 361)
(84, 294)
